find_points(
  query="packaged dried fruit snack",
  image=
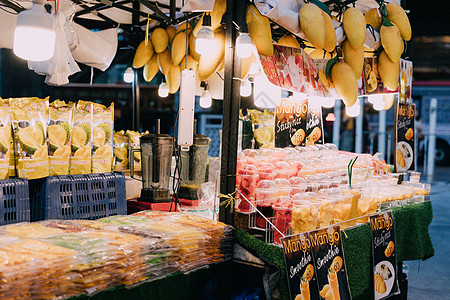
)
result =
(29, 122)
(120, 142)
(80, 161)
(59, 137)
(102, 138)
(134, 143)
(5, 139)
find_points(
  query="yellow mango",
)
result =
(288, 40)
(192, 51)
(259, 30)
(246, 64)
(397, 15)
(191, 63)
(160, 39)
(173, 78)
(330, 33)
(143, 54)
(151, 68)
(373, 17)
(354, 58)
(392, 42)
(354, 27)
(209, 63)
(170, 30)
(319, 54)
(388, 71)
(344, 80)
(184, 27)
(178, 48)
(164, 61)
(312, 24)
(388, 101)
(220, 6)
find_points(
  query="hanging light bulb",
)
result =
(246, 88)
(205, 36)
(354, 110)
(205, 99)
(244, 45)
(163, 90)
(328, 102)
(34, 35)
(128, 75)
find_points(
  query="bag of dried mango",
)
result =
(59, 128)
(80, 161)
(120, 151)
(5, 139)
(134, 143)
(29, 122)
(102, 138)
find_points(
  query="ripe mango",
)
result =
(192, 51)
(392, 42)
(259, 30)
(246, 64)
(191, 63)
(344, 81)
(170, 30)
(354, 58)
(184, 27)
(288, 40)
(173, 78)
(388, 71)
(354, 27)
(143, 54)
(330, 33)
(164, 61)
(151, 68)
(373, 17)
(220, 6)
(209, 63)
(160, 39)
(319, 54)
(178, 47)
(397, 15)
(388, 101)
(312, 24)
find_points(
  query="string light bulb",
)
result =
(128, 75)
(205, 99)
(163, 90)
(246, 88)
(205, 36)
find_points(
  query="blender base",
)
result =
(189, 192)
(155, 196)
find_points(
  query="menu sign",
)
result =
(300, 267)
(314, 123)
(406, 69)
(329, 262)
(404, 137)
(384, 255)
(290, 123)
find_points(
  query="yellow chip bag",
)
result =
(102, 138)
(120, 151)
(80, 161)
(59, 128)
(29, 122)
(5, 139)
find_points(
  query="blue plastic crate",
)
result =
(89, 196)
(14, 201)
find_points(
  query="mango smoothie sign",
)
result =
(384, 255)
(404, 137)
(290, 123)
(300, 267)
(329, 262)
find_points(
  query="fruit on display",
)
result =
(330, 33)
(312, 24)
(220, 6)
(143, 54)
(151, 68)
(354, 58)
(374, 18)
(171, 30)
(319, 54)
(354, 27)
(160, 39)
(210, 62)
(397, 16)
(388, 70)
(392, 42)
(259, 30)
(192, 51)
(344, 80)
(179, 47)
(173, 78)
(288, 40)
(164, 61)
(189, 64)
(246, 64)
(388, 101)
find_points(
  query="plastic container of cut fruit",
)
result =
(246, 183)
(313, 183)
(304, 216)
(265, 196)
(266, 171)
(282, 170)
(298, 185)
(282, 212)
(325, 214)
(283, 186)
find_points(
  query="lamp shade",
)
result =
(34, 35)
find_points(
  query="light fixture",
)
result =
(205, 36)
(205, 99)
(128, 75)
(354, 110)
(328, 102)
(244, 45)
(163, 90)
(246, 88)
(34, 35)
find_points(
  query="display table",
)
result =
(413, 242)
